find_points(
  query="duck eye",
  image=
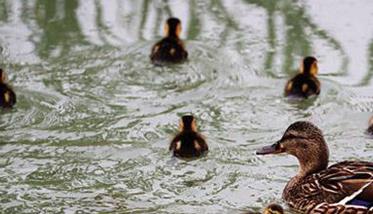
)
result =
(277, 145)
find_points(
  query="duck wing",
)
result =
(174, 142)
(345, 187)
(348, 178)
(202, 142)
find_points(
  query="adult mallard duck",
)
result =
(345, 187)
(188, 142)
(7, 95)
(305, 83)
(170, 49)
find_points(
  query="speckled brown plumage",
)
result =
(316, 188)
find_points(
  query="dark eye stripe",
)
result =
(290, 136)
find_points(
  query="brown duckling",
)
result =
(7, 96)
(370, 129)
(273, 209)
(270, 209)
(345, 187)
(305, 83)
(188, 142)
(171, 48)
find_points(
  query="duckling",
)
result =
(7, 96)
(171, 48)
(188, 142)
(273, 209)
(345, 187)
(370, 129)
(305, 83)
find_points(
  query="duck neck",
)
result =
(312, 158)
(311, 167)
(305, 169)
(172, 35)
(187, 129)
(312, 161)
(307, 73)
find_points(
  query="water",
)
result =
(94, 118)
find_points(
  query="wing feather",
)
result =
(331, 189)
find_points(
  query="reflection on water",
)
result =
(93, 121)
(58, 27)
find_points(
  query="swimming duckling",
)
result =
(270, 209)
(305, 83)
(188, 142)
(7, 96)
(370, 129)
(273, 209)
(345, 187)
(170, 49)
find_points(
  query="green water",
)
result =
(94, 118)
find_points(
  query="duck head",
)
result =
(273, 209)
(309, 66)
(172, 28)
(3, 76)
(187, 123)
(304, 141)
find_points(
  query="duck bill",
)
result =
(266, 150)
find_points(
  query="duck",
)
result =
(270, 209)
(305, 83)
(188, 143)
(7, 95)
(370, 129)
(344, 187)
(171, 48)
(273, 209)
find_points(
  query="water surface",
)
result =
(94, 118)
